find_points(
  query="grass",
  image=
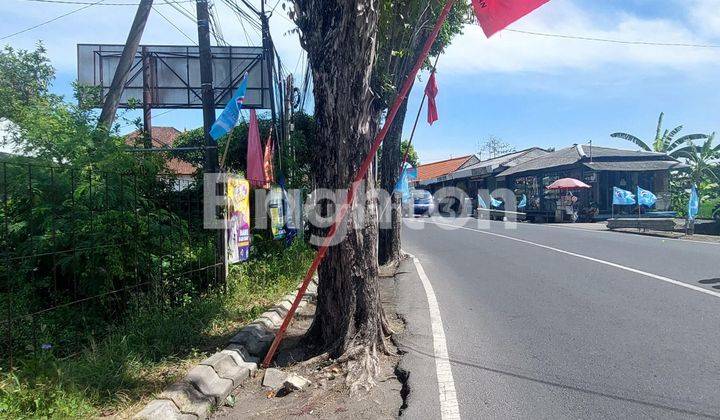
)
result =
(150, 348)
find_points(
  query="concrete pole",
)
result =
(148, 85)
(208, 101)
(107, 116)
(206, 81)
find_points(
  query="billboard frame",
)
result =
(230, 61)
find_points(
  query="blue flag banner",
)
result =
(494, 202)
(694, 203)
(622, 197)
(411, 173)
(646, 198)
(523, 202)
(229, 117)
(481, 202)
(403, 185)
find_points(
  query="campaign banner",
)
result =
(238, 218)
(277, 212)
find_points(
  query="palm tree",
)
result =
(665, 141)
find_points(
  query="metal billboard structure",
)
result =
(168, 76)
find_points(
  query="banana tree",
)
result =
(665, 141)
(703, 161)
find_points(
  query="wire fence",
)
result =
(82, 248)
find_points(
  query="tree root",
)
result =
(385, 324)
(314, 360)
(384, 348)
(362, 371)
(351, 354)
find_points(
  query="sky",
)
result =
(526, 89)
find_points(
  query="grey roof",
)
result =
(580, 153)
(636, 165)
(508, 160)
(501, 162)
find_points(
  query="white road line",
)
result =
(449, 409)
(619, 232)
(585, 257)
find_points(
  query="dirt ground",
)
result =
(327, 397)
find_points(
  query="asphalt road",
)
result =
(563, 323)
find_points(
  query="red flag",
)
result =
(431, 91)
(268, 162)
(254, 154)
(496, 15)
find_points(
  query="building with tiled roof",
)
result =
(442, 168)
(164, 137)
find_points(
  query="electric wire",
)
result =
(613, 41)
(183, 11)
(164, 3)
(274, 7)
(239, 10)
(22, 31)
(174, 26)
(215, 27)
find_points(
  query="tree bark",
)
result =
(339, 37)
(390, 160)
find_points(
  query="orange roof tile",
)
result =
(443, 167)
(165, 137)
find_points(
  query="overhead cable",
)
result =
(22, 31)
(614, 41)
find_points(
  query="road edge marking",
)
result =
(551, 225)
(585, 257)
(449, 408)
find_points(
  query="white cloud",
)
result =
(705, 16)
(515, 52)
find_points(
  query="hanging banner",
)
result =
(238, 226)
(277, 213)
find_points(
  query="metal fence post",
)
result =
(6, 250)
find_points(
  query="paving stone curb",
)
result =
(208, 384)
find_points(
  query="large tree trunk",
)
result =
(340, 36)
(391, 158)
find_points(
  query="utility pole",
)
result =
(206, 82)
(208, 102)
(126, 59)
(288, 113)
(289, 91)
(148, 86)
(269, 60)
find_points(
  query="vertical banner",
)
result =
(238, 210)
(277, 212)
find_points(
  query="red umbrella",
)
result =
(567, 184)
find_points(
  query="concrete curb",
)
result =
(208, 384)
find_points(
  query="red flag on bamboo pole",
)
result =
(431, 91)
(254, 154)
(268, 161)
(496, 15)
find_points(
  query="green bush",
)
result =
(151, 347)
(707, 207)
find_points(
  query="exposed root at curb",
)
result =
(385, 324)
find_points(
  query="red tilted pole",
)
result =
(359, 176)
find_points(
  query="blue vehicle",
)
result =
(423, 203)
